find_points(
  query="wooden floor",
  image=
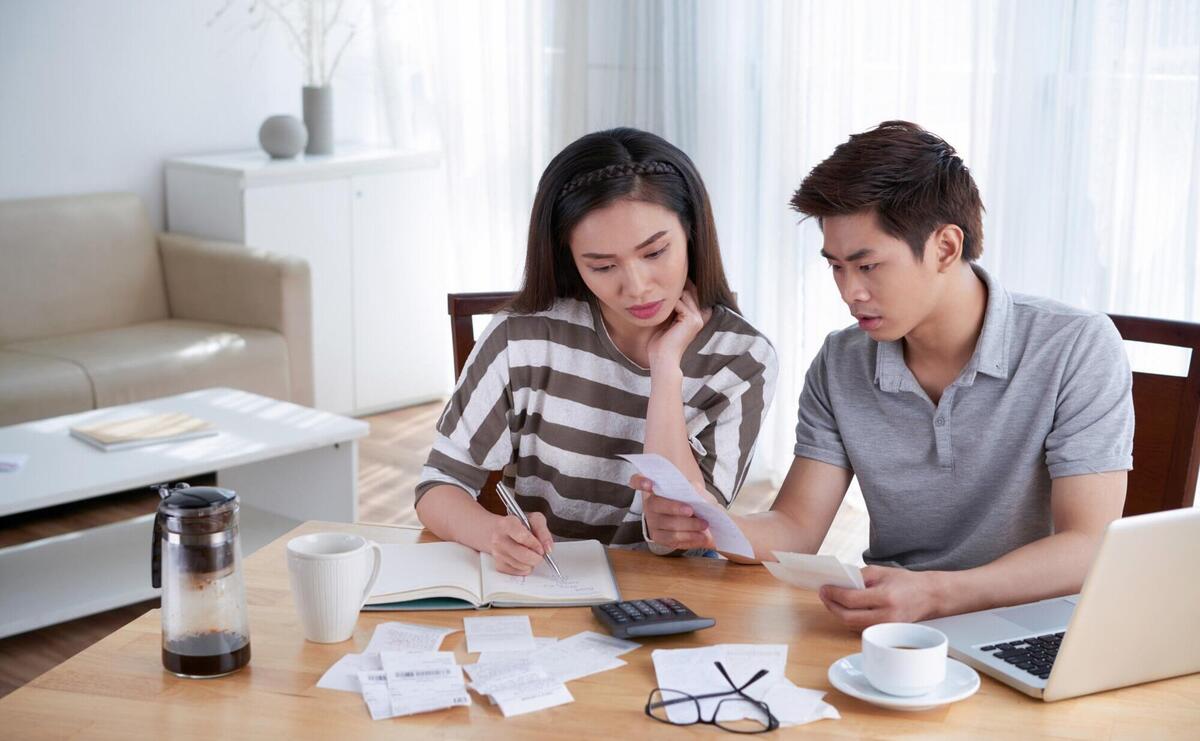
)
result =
(390, 461)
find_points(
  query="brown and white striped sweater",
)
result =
(548, 398)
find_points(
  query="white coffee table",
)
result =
(287, 463)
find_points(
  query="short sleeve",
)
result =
(817, 433)
(473, 432)
(1093, 416)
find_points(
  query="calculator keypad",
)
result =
(661, 616)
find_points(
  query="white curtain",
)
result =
(1079, 120)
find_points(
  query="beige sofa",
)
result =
(96, 309)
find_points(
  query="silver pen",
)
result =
(514, 509)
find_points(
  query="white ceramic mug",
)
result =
(904, 659)
(332, 575)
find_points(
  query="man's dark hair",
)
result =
(911, 179)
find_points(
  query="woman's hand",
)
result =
(675, 334)
(516, 550)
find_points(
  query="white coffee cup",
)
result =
(332, 575)
(904, 659)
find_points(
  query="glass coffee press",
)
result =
(197, 560)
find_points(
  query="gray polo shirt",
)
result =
(958, 484)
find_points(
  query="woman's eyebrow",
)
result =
(649, 241)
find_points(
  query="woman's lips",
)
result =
(645, 311)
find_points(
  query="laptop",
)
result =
(1135, 621)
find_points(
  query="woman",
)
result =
(624, 338)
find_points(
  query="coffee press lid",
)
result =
(195, 501)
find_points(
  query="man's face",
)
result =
(887, 290)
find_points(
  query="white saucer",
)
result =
(961, 682)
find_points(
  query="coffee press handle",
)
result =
(375, 569)
(156, 552)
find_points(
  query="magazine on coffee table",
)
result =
(446, 576)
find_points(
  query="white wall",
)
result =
(95, 94)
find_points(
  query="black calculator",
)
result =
(649, 617)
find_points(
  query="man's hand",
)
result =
(671, 523)
(892, 596)
(516, 550)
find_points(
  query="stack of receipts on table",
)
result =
(807, 571)
(694, 671)
(670, 483)
(401, 672)
(528, 679)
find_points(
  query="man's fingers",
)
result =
(856, 619)
(683, 541)
(667, 523)
(641, 483)
(659, 506)
(854, 599)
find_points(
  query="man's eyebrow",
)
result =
(649, 241)
(852, 257)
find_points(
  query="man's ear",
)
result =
(946, 243)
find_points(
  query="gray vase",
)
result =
(318, 118)
(282, 137)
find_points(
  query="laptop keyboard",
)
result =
(1033, 655)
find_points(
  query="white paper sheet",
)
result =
(669, 483)
(490, 657)
(808, 571)
(343, 675)
(517, 686)
(12, 462)
(794, 705)
(406, 637)
(694, 671)
(416, 683)
(575, 657)
(526, 697)
(509, 633)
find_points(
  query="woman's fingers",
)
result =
(541, 531)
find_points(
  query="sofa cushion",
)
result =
(75, 264)
(153, 359)
(36, 387)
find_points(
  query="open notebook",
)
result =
(446, 576)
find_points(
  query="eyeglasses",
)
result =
(738, 714)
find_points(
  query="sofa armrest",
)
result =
(228, 283)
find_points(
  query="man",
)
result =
(991, 433)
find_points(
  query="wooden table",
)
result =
(117, 688)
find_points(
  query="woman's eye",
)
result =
(601, 268)
(656, 253)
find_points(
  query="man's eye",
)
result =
(834, 268)
(868, 268)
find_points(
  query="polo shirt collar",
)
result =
(991, 351)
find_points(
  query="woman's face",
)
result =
(632, 255)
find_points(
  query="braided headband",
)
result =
(618, 171)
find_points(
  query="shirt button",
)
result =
(940, 421)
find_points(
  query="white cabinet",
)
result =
(371, 224)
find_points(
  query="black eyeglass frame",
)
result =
(772, 721)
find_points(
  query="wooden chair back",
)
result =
(1166, 438)
(463, 307)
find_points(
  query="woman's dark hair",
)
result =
(911, 179)
(595, 171)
